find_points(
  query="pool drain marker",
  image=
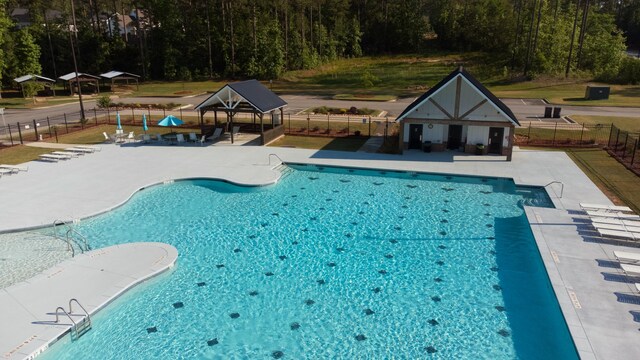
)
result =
(574, 299)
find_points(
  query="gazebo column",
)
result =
(215, 117)
(201, 122)
(230, 116)
(261, 124)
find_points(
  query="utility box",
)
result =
(597, 92)
(547, 111)
(556, 112)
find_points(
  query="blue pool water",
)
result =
(331, 263)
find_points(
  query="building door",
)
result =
(415, 136)
(455, 137)
(496, 134)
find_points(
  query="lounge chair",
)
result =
(54, 158)
(611, 214)
(5, 172)
(146, 138)
(216, 134)
(627, 257)
(203, 139)
(92, 148)
(629, 235)
(236, 130)
(131, 136)
(193, 137)
(637, 287)
(14, 168)
(79, 150)
(65, 153)
(614, 221)
(619, 227)
(631, 270)
(107, 137)
(159, 138)
(180, 138)
(605, 208)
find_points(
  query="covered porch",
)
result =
(248, 106)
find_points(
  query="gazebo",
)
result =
(37, 79)
(114, 76)
(70, 78)
(246, 97)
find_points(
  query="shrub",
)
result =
(104, 102)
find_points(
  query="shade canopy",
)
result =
(170, 121)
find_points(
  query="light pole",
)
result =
(75, 63)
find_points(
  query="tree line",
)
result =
(201, 39)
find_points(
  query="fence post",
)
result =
(55, 131)
(133, 117)
(529, 133)
(181, 113)
(49, 126)
(108, 116)
(10, 135)
(308, 124)
(369, 125)
(66, 126)
(555, 129)
(164, 113)
(35, 128)
(581, 132)
(348, 118)
(149, 111)
(20, 134)
(610, 135)
(624, 149)
(289, 123)
(633, 154)
(617, 138)
(95, 116)
(328, 122)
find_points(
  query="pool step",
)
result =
(284, 170)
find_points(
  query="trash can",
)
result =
(479, 149)
(547, 111)
(426, 146)
(556, 112)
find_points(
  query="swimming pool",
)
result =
(331, 263)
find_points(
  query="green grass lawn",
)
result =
(624, 123)
(93, 135)
(363, 97)
(21, 153)
(177, 88)
(320, 143)
(620, 184)
(569, 93)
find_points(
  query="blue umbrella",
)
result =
(170, 121)
(144, 123)
(119, 127)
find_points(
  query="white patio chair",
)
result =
(193, 137)
(180, 138)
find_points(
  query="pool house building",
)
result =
(458, 114)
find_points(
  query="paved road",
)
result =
(525, 109)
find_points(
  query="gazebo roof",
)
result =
(29, 77)
(249, 91)
(116, 74)
(474, 84)
(72, 75)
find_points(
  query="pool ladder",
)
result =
(78, 328)
(281, 168)
(69, 239)
(561, 187)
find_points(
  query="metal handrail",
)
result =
(66, 313)
(84, 239)
(82, 307)
(561, 188)
(278, 157)
(56, 223)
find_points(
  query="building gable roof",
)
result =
(490, 97)
(251, 91)
(115, 74)
(38, 78)
(72, 75)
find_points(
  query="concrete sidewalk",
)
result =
(95, 278)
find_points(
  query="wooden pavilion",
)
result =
(70, 80)
(249, 97)
(47, 82)
(114, 76)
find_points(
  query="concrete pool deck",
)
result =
(597, 300)
(95, 278)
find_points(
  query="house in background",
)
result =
(459, 114)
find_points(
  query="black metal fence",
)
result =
(625, 147)
(560, 134)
